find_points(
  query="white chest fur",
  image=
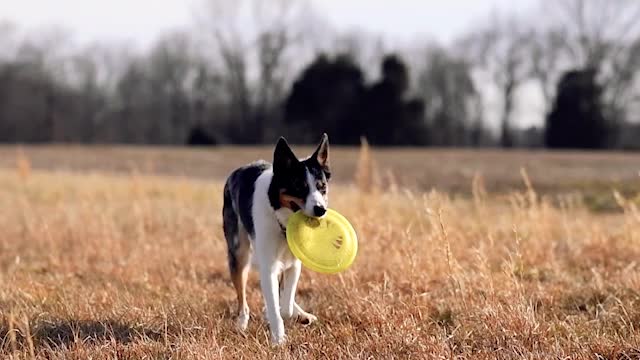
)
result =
(270, 242)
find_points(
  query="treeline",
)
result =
(223, 81)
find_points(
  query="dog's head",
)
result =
(301, 184)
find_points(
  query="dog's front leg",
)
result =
(269, 285)
(290, 283)
(288, 306)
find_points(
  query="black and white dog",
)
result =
(258, 200)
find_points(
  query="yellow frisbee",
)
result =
(327, 245)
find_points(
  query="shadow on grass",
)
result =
(218, 277)
(62, 333)
(66, 332)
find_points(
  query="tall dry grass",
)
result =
(130, 267)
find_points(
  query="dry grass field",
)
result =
(117, 253)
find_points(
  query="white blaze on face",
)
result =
(314, 198)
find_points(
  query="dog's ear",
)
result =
(322, 152)
(283, 157)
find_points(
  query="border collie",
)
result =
(258, 200)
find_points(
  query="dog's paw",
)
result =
(278, 340)
(242, 322)
(278, 337)
(306, 318)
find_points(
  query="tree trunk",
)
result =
(506, 139)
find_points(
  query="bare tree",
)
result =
(500, 50)
(43, 57)
(364, 48)
(447, 89)
(8, 43)
(596, 31)
(604, 36)
(251, 39)
(92, 72)
(546, 55)
(171, 73)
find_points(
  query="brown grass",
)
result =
(131, 266)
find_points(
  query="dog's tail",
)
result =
(230, 225)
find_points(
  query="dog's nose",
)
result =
(319, 211)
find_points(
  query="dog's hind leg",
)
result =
(239, 256)
(239, 277)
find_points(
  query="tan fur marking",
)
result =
(240, 276)
(286, 200)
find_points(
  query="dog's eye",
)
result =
(321, 186)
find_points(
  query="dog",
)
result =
(258, 200)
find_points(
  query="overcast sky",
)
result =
(140, 21)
